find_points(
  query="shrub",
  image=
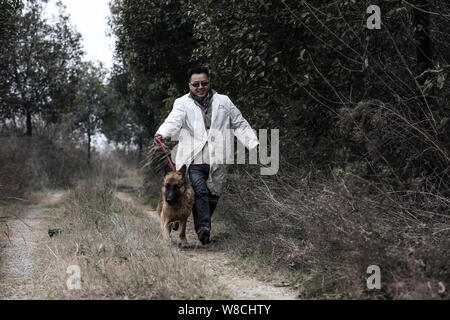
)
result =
(30, 163)
(327, 232)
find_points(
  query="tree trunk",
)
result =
(29, 124)
(141, 146)
(89, 147)
(424, 49)
(424, 53)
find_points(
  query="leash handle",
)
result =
(163, 147)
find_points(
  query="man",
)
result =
(204, 119)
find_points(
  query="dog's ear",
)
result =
(183, 170)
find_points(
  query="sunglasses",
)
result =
(197, 84)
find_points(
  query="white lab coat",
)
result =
(186, 119)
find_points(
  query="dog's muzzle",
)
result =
(171, 202)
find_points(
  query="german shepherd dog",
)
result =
(175, 204)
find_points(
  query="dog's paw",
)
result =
(184, 245)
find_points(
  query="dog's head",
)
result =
(174, 185)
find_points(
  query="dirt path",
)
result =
(219, 265)
(23, 232)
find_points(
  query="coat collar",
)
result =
(214, 107)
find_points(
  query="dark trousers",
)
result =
(205, 202)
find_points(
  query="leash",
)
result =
(163, 147)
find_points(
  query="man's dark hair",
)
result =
(198, 70)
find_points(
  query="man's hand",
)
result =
(158, 136)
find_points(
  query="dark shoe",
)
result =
(203, 236)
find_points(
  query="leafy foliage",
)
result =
(41, 66)
(90, 102)
(9, 12)
(119, 123)
(154, 44)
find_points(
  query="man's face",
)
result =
(199, 84)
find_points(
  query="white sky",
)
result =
(90, 19)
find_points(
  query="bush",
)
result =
(396, 145)
(327, 232)
(30, 163)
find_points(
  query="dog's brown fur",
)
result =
(175, 184)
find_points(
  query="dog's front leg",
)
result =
(184, 242)
(165, 228)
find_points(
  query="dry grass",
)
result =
(324, 234)
(120, 252)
